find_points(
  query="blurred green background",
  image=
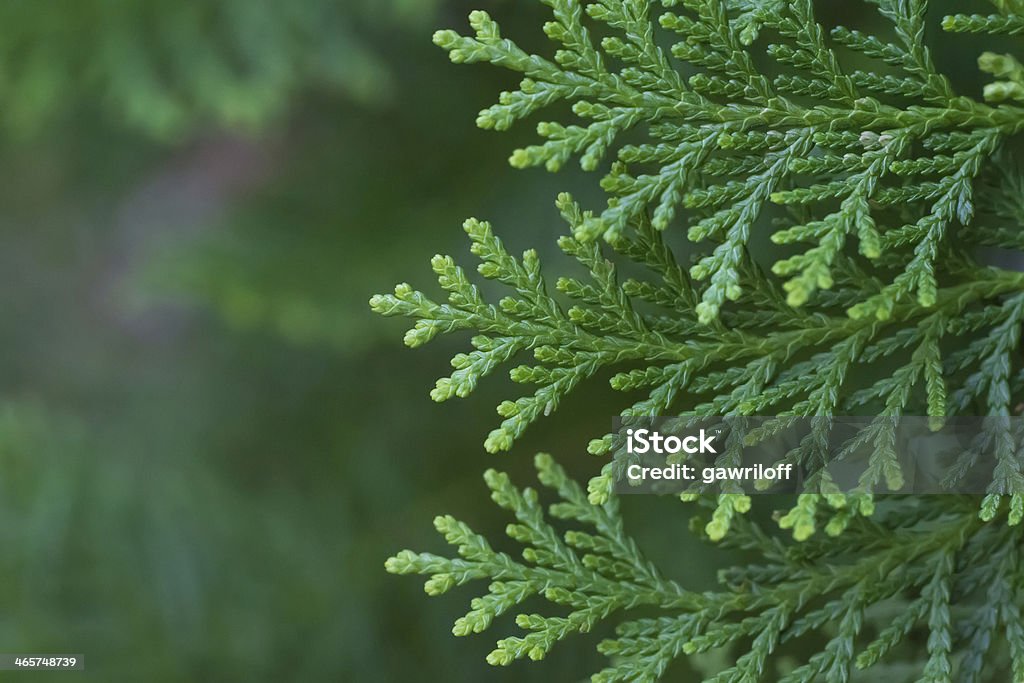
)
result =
(208, 444)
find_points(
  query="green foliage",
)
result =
(728, 141)
(876, 182)
(762, 358)
(909, 561)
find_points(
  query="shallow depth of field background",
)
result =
(208, 444)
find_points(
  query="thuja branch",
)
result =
(877, 181)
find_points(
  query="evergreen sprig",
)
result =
(728, 141)
(876, 183)
(763, 357)
(914, 559)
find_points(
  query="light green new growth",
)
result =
(877, 184)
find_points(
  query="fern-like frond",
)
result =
(882, 189)
(764, 358)
(592, 572)
(815, 133)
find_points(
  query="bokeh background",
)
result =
(208, 444)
